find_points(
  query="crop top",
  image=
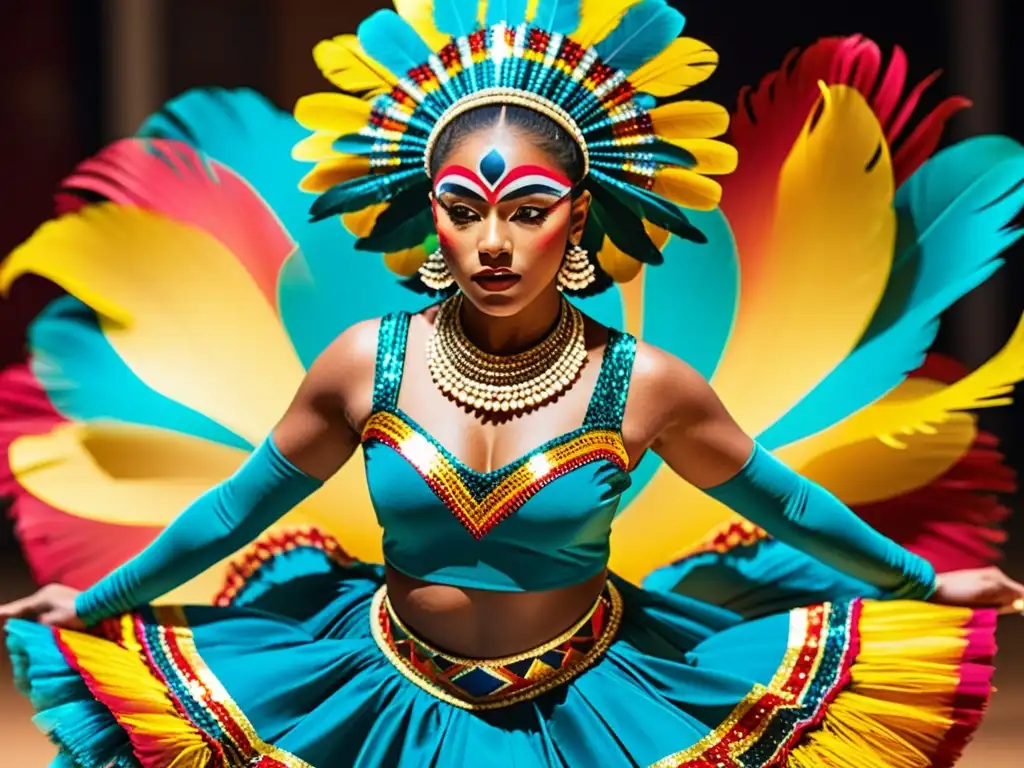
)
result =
(541, 521)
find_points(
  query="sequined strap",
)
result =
(387, 375)
(608, 403)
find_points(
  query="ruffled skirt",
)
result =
(292, 673)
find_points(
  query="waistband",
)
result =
(493, 683)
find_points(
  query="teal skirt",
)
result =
(294, 671)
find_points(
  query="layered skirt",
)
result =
(305, 664)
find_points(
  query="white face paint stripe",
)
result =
(546, 186)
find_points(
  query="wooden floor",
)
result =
(1000, 743)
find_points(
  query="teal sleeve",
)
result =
(221, 521)
(804, 515)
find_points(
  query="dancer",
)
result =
(543, 386)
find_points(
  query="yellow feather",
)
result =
(360, 223)
(170, 284)
(420, 15)
(621, 267)
(690, 120)
(713, 157)
(406, 262)
(337, 113)
(893, 421)
(685, 63)
(833, 226)
(344, 63)
(334, 171)
(687, 189)
(598, 18)
(317, 147)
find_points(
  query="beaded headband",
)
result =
(596, 68)
(508, 97)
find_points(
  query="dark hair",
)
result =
(547, 134)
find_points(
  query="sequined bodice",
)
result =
(539, 522)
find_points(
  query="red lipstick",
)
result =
(496, 279)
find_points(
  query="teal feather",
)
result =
(316, 295)
(358, 144)
(357, 194)
(953, 215)
(644, 31)
(562, 16)
(455, 17)
(512, 12)
(622, 224)
(86, 380)
(391, 40)
(657, 210)
(689, 307)
(659, 151)
(403, 224)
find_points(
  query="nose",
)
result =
(495, 246)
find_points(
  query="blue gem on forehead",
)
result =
(492, 166)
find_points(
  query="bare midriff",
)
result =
(485, 624)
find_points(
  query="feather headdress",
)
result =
(594, 67)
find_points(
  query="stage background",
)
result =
(77, 73)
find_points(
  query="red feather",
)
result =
(172, 178)
(955, 521)
(769, 118)
(58, 547)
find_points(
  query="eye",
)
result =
(530, 214)
(462, 214)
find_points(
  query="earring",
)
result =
(434, 272)
(576, 272)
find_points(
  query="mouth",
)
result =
(496, 279)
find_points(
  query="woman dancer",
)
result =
(500, 429)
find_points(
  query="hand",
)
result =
(980, 588)
(53, 606)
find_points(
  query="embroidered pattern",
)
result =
(728, 536)
(494, 683)
(198, 694)
(764, 726)
(480, 509)
(262, 551)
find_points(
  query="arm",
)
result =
(702, 444)
(314, 438)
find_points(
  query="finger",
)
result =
(1013, 596)
(17, 609)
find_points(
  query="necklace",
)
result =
(504, 382)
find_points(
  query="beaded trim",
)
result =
(269, 546)
(729, 535)
(476, 684)
(767, 723)
(514, 97)
(513, 490)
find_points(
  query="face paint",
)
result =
(494, 182)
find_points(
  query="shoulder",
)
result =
(352, 351)
(658, 371)
(670, 388)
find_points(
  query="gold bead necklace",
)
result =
(504, 383)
